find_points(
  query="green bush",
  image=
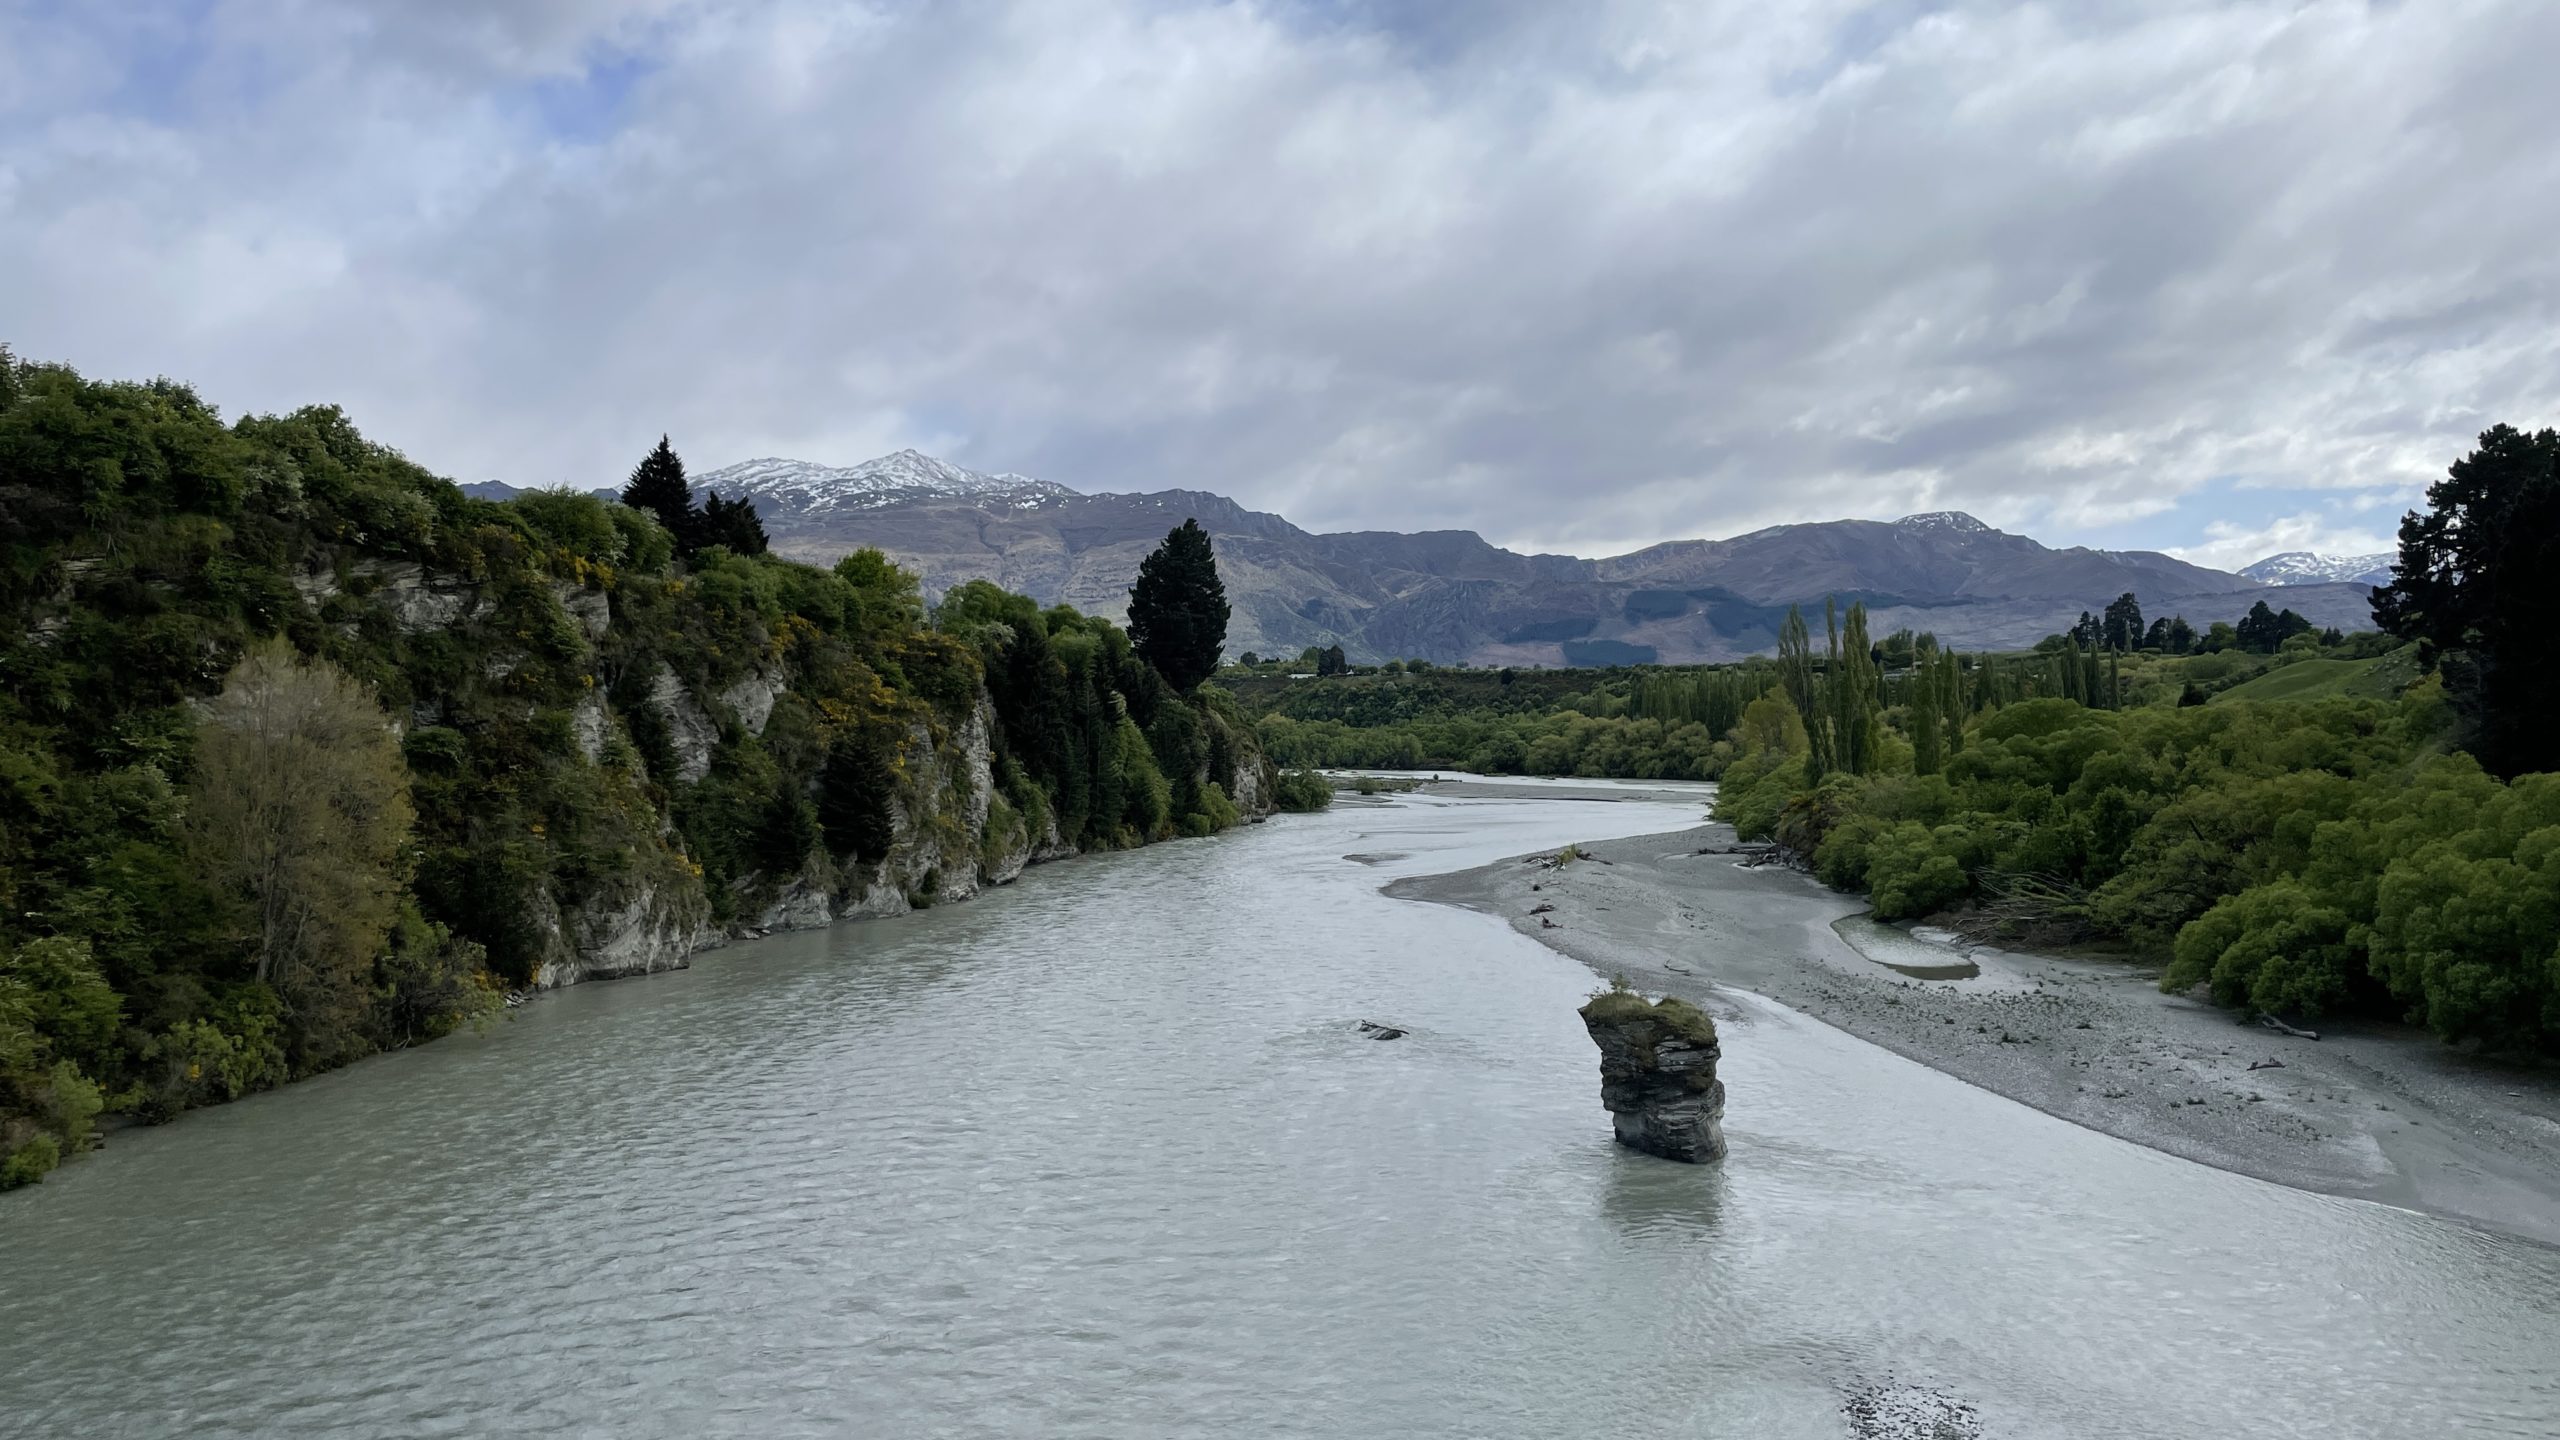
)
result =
(30, 1162)
(1301, 792)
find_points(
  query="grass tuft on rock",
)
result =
(1621, 1004)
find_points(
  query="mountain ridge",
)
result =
(2305, 567)
(1452, 595)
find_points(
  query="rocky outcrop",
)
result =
(1658, 1074)
(1248, 789)
(419, 600)
(650, 927)
(752, 698)
(944, 852)
(590, 608)
(589, 725)
(690, 733)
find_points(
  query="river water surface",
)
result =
(1104, 1154)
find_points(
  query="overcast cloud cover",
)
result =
(2226, 277)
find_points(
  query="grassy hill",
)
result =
(2380, 678)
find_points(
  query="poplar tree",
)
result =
(1855, 707)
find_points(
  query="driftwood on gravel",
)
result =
(1753, 855)
(2272, 1023)
(2016, 903)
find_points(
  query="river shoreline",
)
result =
(2375, 1113)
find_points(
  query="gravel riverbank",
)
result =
(2383, 1114)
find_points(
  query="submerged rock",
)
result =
(1658, 1074)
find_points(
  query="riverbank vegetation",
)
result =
(306, 754)
(1682, 722)
(2321, 855)
(2301, 822)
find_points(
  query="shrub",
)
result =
(30, 1162)
(1301, 792)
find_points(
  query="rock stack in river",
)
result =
(1658, 1074)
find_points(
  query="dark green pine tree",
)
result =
(658, 486)
(2478, 585)
(732, 523)
(1178, 609)
(2123, 623)
(785, 833)
(857, 804)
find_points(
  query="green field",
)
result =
(2380, 678)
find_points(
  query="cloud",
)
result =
(2228, 545)
(1578, 277)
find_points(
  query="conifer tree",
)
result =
(731, 523)
(657, 485)
(2477, 582)
(1178, 609)
(2123, 624)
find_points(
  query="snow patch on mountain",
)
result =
(1947, 522)
(2302, 567)
(809, 490)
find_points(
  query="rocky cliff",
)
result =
(1658, 1074)
(611, 747)
(953, 841)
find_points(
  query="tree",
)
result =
(1854, 686)
(857, 797)
(730, 523)
(1804, 689)
(301, 809)
(657, 485)
(2123, 623)
(1331, 661)
(2478, 586)
(1178, 609)
(785, 832)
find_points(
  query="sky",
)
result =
(2218, 278)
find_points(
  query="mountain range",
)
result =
(1449, 595)
(2301, 567)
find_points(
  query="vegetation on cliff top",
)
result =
(304, 753)
(1622, 1004)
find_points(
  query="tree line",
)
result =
(2321, 857)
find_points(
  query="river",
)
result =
(1104, 1154)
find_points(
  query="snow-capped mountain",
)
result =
(1943, 522)
(804, 490)
(2301, 567)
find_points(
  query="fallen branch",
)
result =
(2272, 1023)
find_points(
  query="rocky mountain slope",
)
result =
(1449, 595)
(2301, 567)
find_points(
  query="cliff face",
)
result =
(1658, 1075)
(953, 842)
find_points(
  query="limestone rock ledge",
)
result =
(1658, 1074)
